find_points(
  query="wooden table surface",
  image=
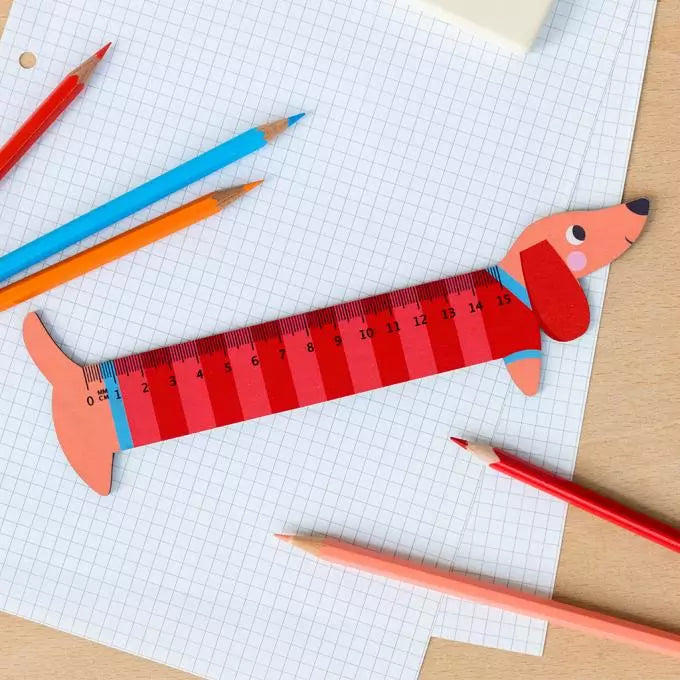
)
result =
(629, 444)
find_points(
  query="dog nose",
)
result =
(640, 206)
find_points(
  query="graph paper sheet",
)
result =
(515, 533)
(424, 153)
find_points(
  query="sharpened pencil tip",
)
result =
(87, 68)
(100, 54)
(286, 538)
(271, 130)
(251, 185)
(226, 196)
(294, 119)
(483, 452)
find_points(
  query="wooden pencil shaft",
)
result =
(588, 500)
(112, 249)
(18, 146)
(47, 112)
(496, 595)
(34, 126)
(84, 72)
(573, 493)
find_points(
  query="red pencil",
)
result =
(67, 90)
(594, 503)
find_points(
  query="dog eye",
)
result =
(576, 234)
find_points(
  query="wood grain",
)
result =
(629, 448)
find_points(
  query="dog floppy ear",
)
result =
(555, 294)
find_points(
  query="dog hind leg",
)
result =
(525, 370)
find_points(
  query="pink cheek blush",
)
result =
(576, 261)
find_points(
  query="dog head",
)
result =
(553, 253)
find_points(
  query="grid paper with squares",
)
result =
(426, 149)
(515, 533)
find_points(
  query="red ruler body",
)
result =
(313, 357)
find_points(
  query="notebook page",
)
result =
(515, 533)
(178, 563)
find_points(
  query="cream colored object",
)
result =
(513, 25)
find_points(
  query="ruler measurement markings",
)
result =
(250, 384)
(470, 328)
(193, 391)
(167, 404)
(330, 354)
(275, 368)
(304, 365)
(442, 333)
(218, 375)
(509, 323)
(310, 358)
(110, 391)
(415, 343)
(386, 340)
(358, 348)
(138, 404)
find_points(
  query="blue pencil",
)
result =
(142, 196)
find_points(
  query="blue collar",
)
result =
(512, 284)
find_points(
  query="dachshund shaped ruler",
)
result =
(494, 313)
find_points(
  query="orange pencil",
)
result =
(55, 104)
(492, 594)
(120, 245)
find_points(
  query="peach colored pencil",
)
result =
(494, 595)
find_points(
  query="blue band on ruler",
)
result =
(117, 409)
(512, 284)
(522, 354)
